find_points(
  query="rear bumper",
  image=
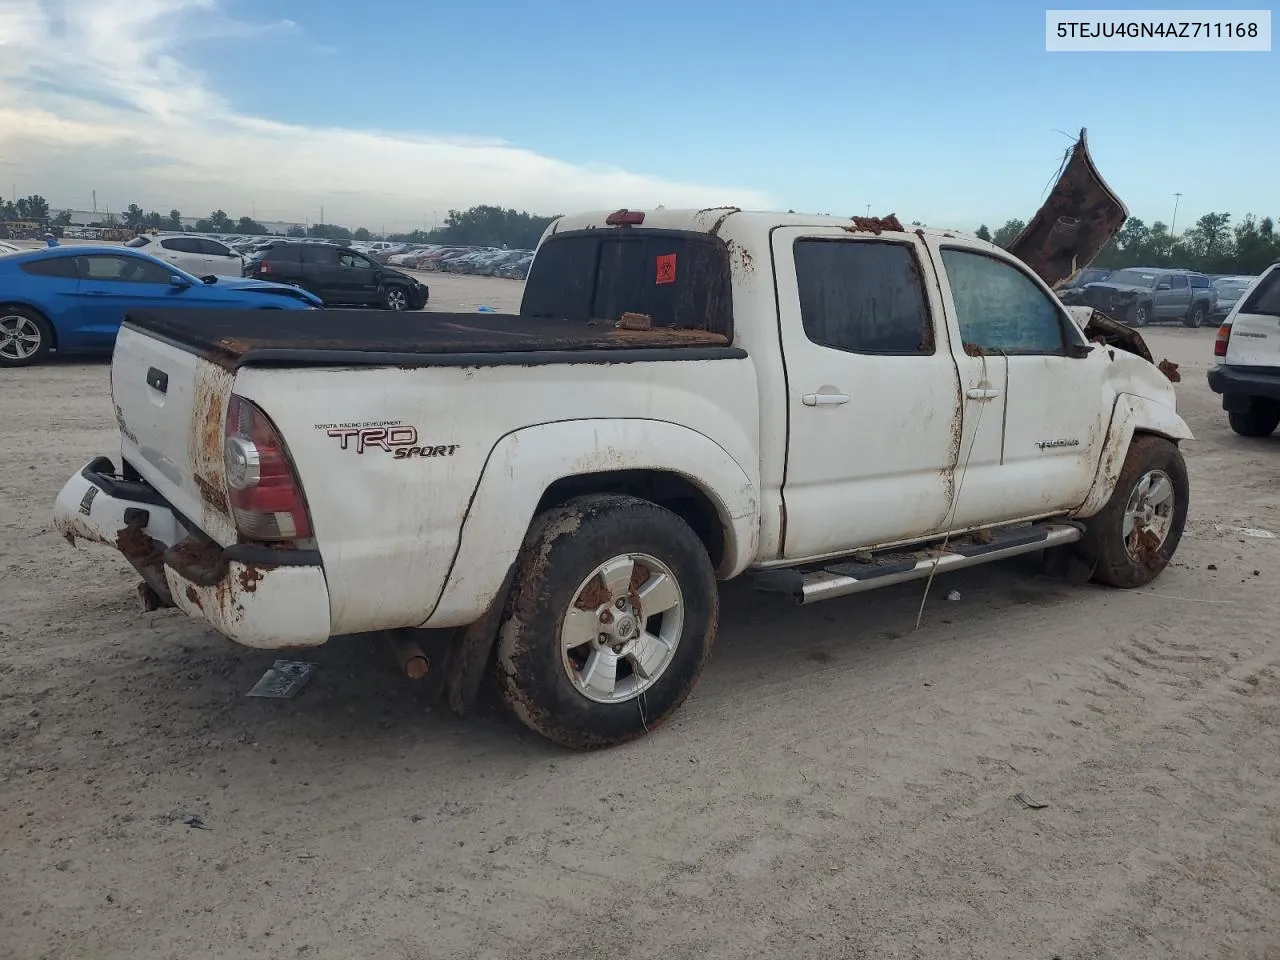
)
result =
(1238, 384)
(255, 596)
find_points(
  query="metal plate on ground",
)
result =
(283, 679)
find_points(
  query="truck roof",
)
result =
(711, 220)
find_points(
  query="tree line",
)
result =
(1211, 245)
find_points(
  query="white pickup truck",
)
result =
(828, 405)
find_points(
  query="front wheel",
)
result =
(1140, 315)
(1132, 539)
(611, 618)
(395, 298)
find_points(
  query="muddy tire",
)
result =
(1132, 539)
(610, 621)
(25, 337)
(1260, 420)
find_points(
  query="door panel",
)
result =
(1056, 406)
(872, 392)
(358, 278)
(185, 253)
(110, 286)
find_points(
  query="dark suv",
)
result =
(338, 276)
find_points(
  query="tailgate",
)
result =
(1255, 324)
(170, 406)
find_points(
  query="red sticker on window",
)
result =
(666, 268)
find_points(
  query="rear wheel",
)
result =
(395, 298)
(1260, 420)
(1132, 539)
(1196, 316)
(611, 618)
(25, 337)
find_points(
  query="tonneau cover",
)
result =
(235, 338)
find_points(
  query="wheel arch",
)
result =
(536, 468)
(1132, 415)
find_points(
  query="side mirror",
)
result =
(178, 282)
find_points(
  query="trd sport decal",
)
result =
(399, 440)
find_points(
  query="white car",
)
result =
(200, 256)
(1248, 354)
(6, 247)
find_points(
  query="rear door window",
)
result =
(321, 256)
(285, 253)
(862, 296)
(676, 278)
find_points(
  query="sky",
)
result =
(389, 113)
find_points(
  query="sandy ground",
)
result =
(839, 785)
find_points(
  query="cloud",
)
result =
(94, 96)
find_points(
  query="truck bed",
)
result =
(237, 338)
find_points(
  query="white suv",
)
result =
(200, 256)
(1248, 353)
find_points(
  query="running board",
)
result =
(843, 579)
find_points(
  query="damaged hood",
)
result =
(1078, 219)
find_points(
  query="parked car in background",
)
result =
(339, 276)
(1142, 295)
(1229, 290)
(1247, 351)
(1083, 278)
(73, 299)
(200, 256)
(517, 270)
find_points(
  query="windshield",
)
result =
(1133, 278)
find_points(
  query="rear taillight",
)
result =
(266, 498)
(1224, 337)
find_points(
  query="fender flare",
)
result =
(1131, 414)
(524, 463)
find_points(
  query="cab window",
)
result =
(999, 308)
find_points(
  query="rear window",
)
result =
(1199, 281)
(138, 242)
(679, 279)
(1265, 299)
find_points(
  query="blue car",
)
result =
(73, 298)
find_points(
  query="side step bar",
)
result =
(842, 579)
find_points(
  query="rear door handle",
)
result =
(158, 380)
(977, 393)
(824, 399)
